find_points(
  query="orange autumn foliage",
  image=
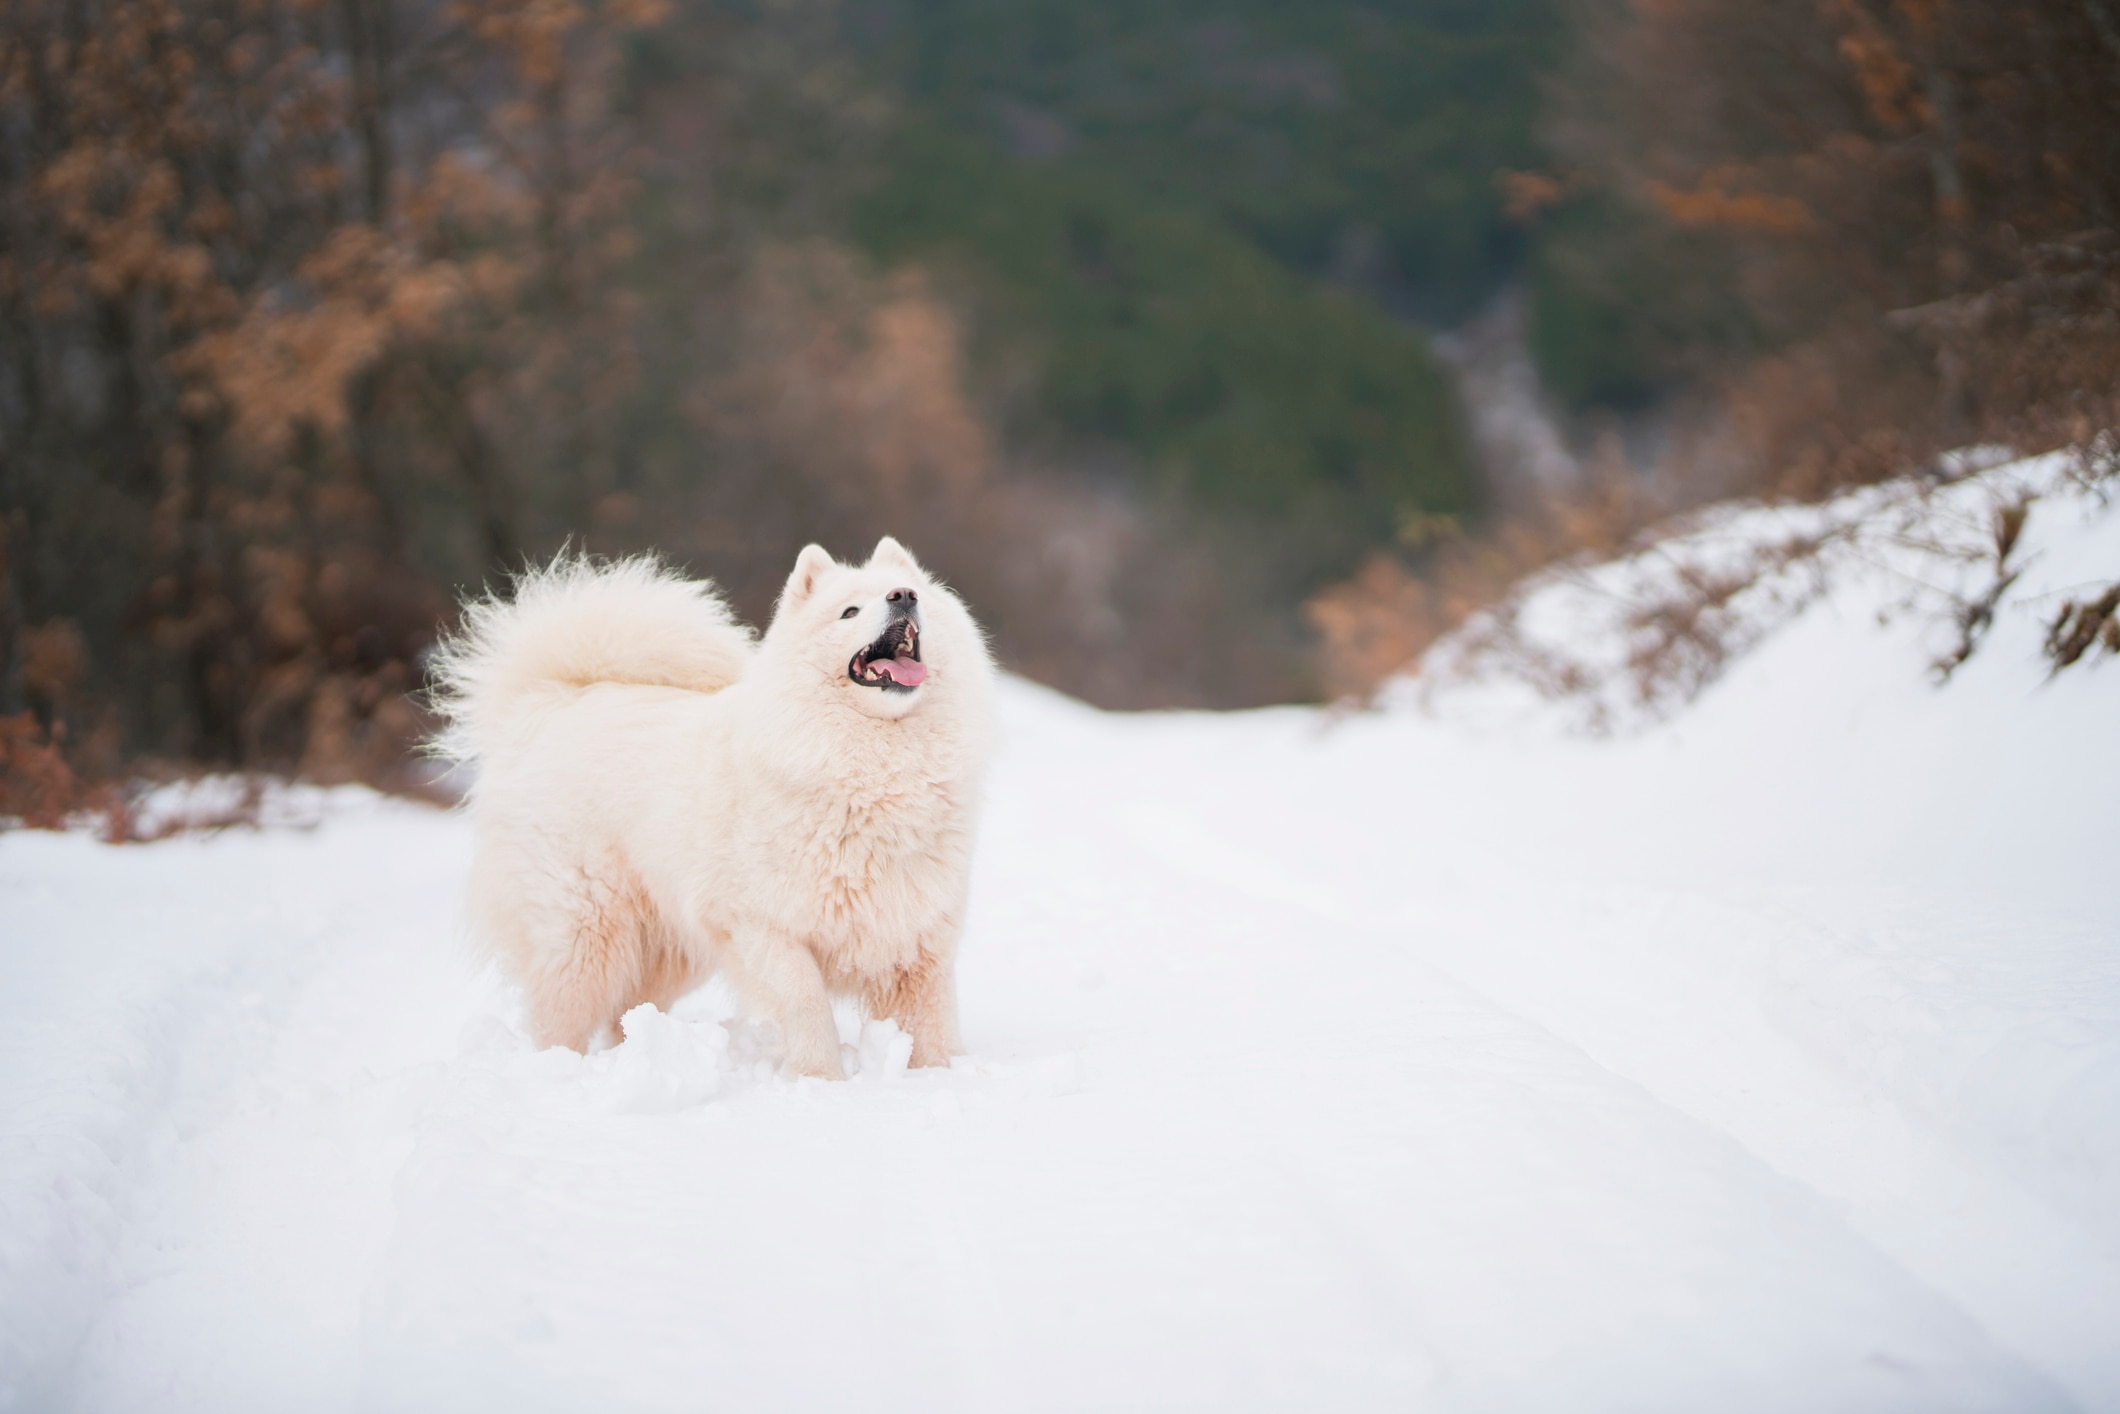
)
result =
(230, 264)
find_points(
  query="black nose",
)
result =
(903, 598)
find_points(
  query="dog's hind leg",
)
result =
(779, 982)
(667, 970)
(922, 999)
(596, 970)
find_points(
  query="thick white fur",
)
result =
(658, 799)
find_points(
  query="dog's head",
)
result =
(884, 634)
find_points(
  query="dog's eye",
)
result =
(852, 609)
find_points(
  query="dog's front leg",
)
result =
(778, 980)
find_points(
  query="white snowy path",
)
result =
(1767, 1061)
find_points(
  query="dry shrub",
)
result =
(1379, 624)
(37, 788)
(1630, 639)
(40, 790)
(1667, 622)
(1813, 420)
(190, 803)
(2077, 628)
(2089, 626)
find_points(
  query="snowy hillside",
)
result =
(1766, 1060)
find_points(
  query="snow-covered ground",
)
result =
(1765, 1060)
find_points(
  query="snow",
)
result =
(1766, 1058)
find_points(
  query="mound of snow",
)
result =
(1627, 642)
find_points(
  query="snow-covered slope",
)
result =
(1766, 1060)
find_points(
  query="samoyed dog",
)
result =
(659, 798)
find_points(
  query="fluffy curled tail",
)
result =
(576, 622)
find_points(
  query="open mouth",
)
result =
(892, 662)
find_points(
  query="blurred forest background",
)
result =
(1219, 353)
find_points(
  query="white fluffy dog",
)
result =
(658, 798)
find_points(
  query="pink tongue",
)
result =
(906, 672)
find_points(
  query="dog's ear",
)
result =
(810, 566)
(890, 552)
